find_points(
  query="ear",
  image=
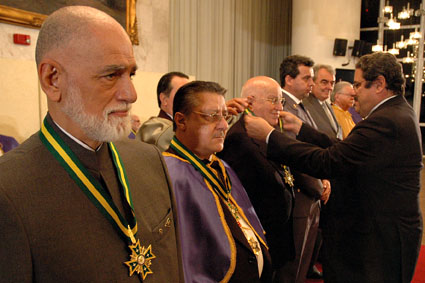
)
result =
(288, 80)
(180, 120)
(380, 83)
(163, 99)
(49, 73)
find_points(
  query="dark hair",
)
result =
(382, 64)
(164, 84)
(289, 66)
(187, 97)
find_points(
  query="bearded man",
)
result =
(75, 205)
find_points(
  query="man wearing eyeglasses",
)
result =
(221, 239)
(296, 77)
(343, 98)
(269, 185)
(379, 161)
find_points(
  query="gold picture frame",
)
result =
(30, 19)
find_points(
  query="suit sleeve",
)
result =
(325, 158)
(15, 254)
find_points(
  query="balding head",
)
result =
(265, 96)
(69, 25)
(85, 62)
(257, 86)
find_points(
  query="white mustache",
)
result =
(121, 107)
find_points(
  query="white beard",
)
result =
(103, 129)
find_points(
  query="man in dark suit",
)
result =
(296, 79)
(222, 239)
(380, 163)
(158, 130)
(74, 206)
(269, 185)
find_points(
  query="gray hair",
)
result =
(65, 25)
(318, 67)
(339, 86)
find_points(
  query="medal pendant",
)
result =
(289, 178)
(140, 260)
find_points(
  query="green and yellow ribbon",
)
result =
(88, 184)
(221, 188)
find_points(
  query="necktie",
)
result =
(308, 119)
(328, 113)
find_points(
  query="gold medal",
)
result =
(140, 258)
(289, 178)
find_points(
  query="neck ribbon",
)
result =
(91, 186)
(223, 188)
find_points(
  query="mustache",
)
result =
(221, 134)
(121, 107)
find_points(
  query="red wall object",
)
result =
(24, 39)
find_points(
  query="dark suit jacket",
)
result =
(380, 161)
(321, 119)
(263, 181)
(164, 115)
(52, 232)
(307, 189)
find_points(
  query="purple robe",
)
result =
(7, 143)
(208, 248)
(356, 116)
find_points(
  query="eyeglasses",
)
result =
(326, 82)
(357, 85)
(275, 100)
(214, 117)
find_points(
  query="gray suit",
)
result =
(321, 119)
(306, 209)
(52, 232)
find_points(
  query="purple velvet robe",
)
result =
(208, 248)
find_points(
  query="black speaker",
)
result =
(366, 48)
(340, 46)
(357, 48)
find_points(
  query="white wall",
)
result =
(23, 104)
(316, 24)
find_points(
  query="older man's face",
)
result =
(345, 98)
(205, 133)
(323, 85)
(267, 105)
(98, 91)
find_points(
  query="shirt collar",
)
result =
(379, 104)
(297, 101)
(77, 140)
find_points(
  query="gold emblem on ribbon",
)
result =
(289, 178)
(140, 260)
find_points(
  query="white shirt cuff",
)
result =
(268, 136)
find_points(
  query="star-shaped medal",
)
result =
(289, 178)
(140, 259)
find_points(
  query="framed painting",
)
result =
(33, 13)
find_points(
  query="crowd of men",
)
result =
(254, 189)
